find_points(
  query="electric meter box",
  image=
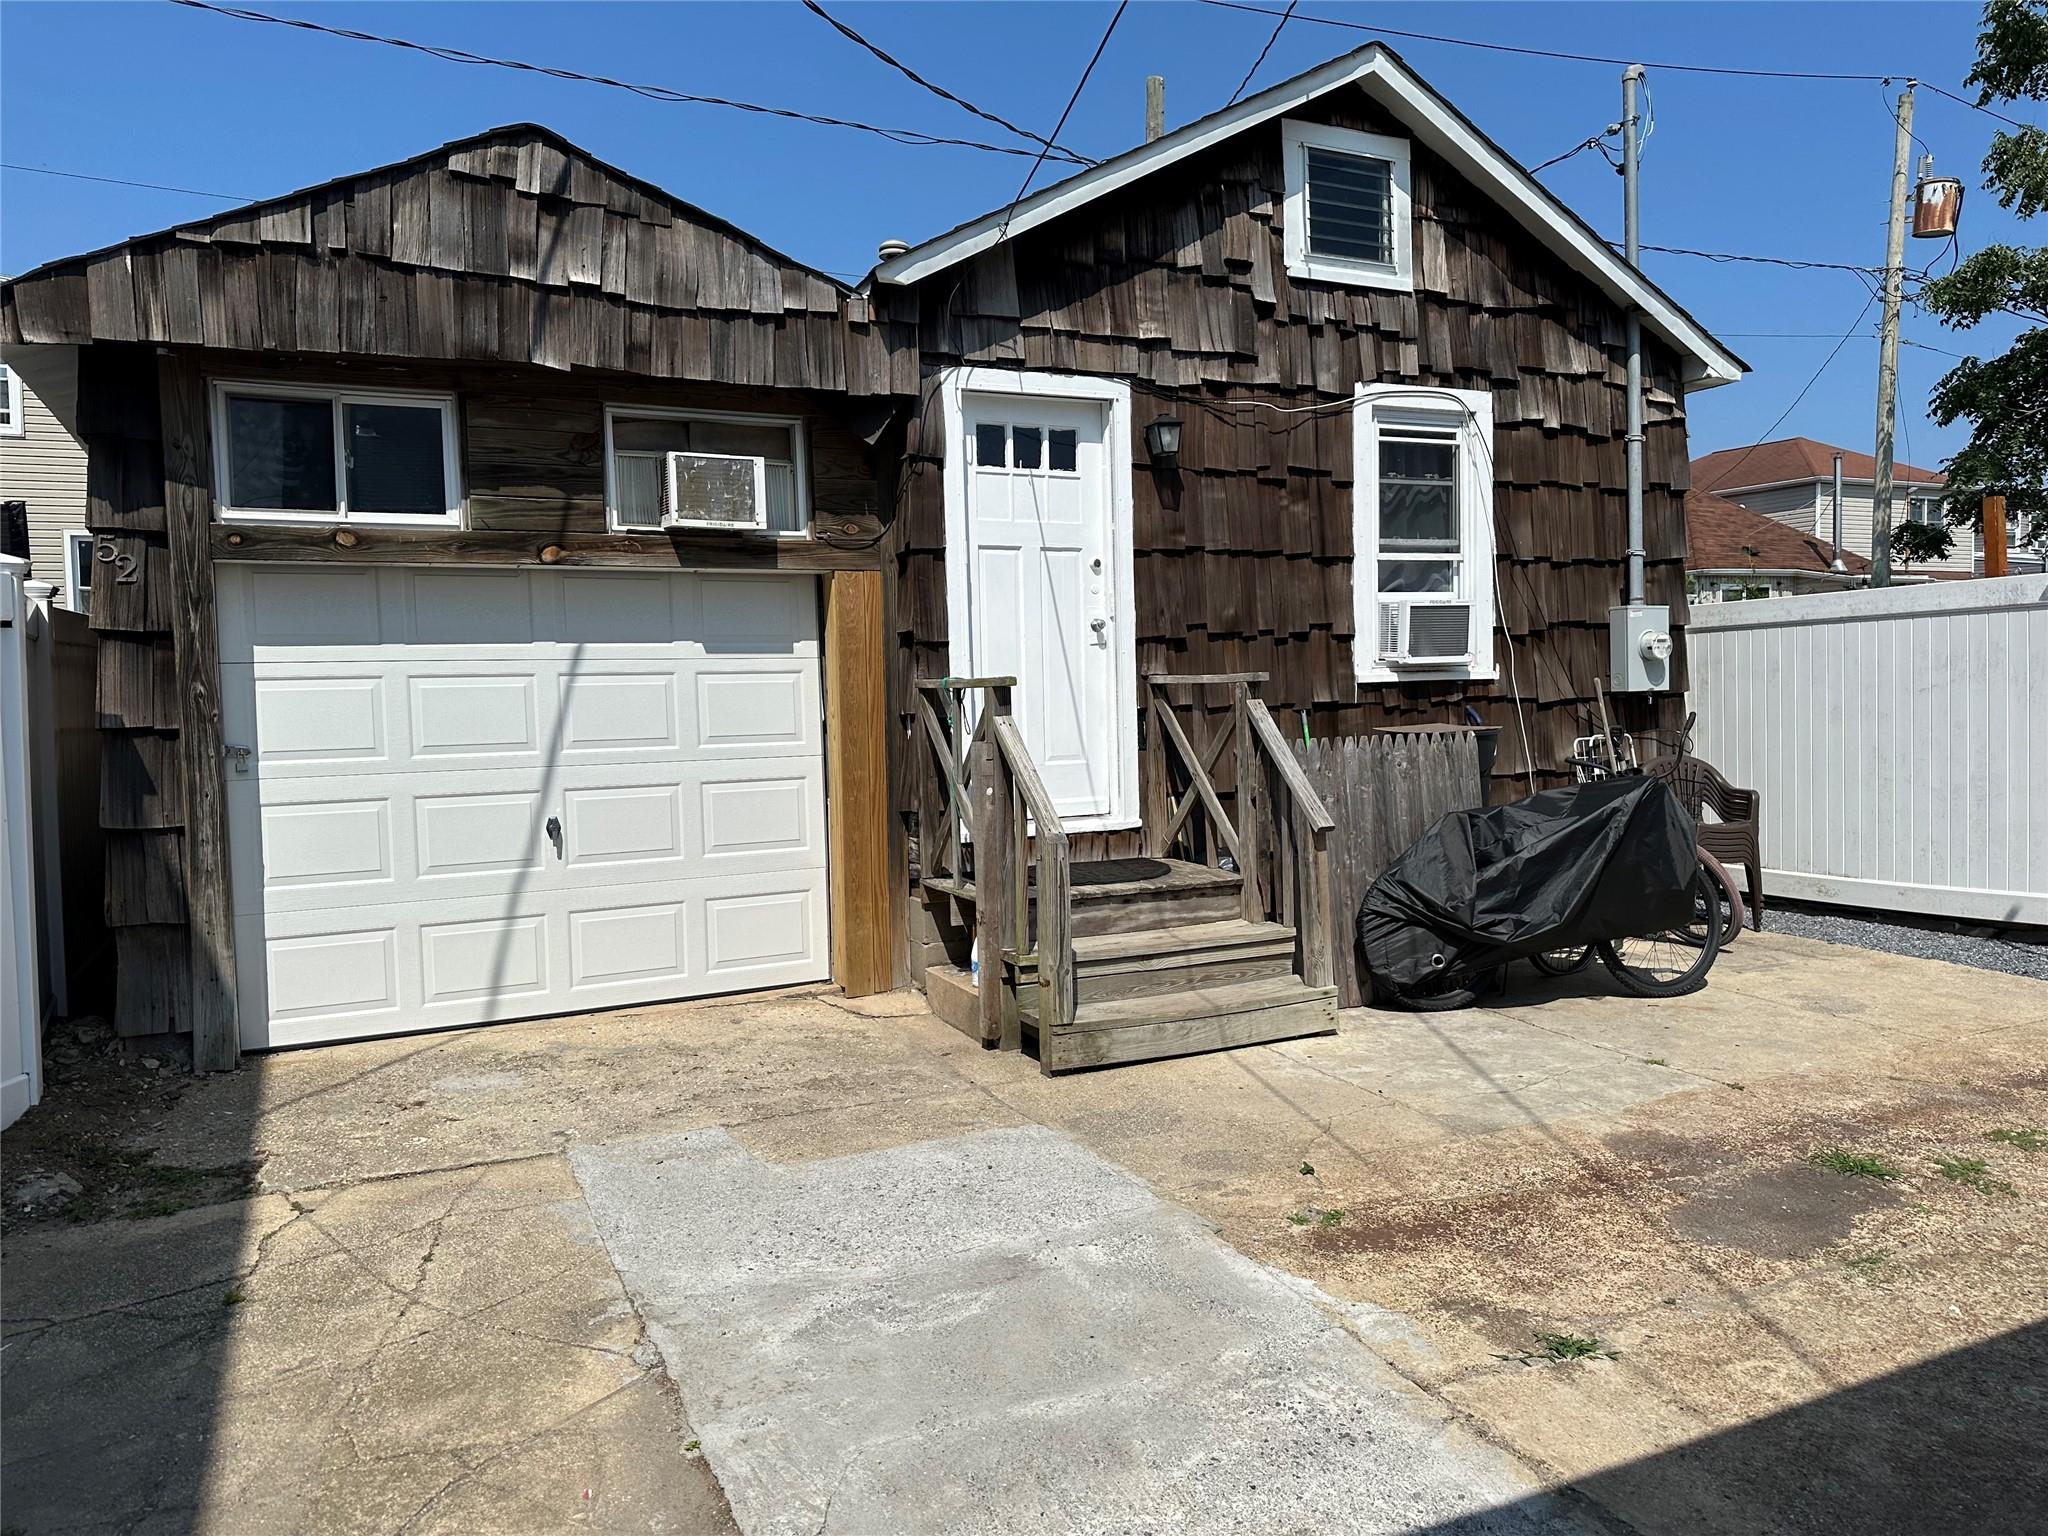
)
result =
(1639, 649)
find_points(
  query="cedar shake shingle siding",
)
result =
(1178, 284)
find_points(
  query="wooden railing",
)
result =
(991, 791)
(1281, 850)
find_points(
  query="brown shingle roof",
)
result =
(1794, 458)
(1720, 536)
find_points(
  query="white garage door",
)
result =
(480, 795)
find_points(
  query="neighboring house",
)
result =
(1793, 480)
(1733, 553)
(42, 464)
(416, 714)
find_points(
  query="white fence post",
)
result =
(1898, 737)
(21, 1057)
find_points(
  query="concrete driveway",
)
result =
(823, 1265)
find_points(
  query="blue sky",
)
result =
(1773, 167)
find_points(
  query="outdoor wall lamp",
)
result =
(1162, 442)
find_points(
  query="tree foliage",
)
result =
(2005, 398)
(1921, 541)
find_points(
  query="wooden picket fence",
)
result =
(1383, 792)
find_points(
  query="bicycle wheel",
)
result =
(1442, 993)
(1733, 913)
(1725, 905)
(1674, 962)
(1563, 962)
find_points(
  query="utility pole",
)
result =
(1155, 107)
(1631, 83)
(1888, 349)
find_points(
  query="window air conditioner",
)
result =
(718, 491)
(1423, 632)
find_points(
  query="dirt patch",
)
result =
(75, 1157)
(1779, 1213)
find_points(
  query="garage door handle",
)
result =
(555, 834)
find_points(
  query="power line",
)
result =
(659, 93)
(1727, 476)
(936, 89)
(1247, 80)
(1079, 86)
(1974, 105)
(1597, 141)
(1769, 261)
(119, 181)
(1597, 58)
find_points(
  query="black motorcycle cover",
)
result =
(1562, 868)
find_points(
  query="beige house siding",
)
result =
(1809, 506)
(45, 466)
(1857, 502)
(1792, 505)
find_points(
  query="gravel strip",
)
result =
(1987, 951)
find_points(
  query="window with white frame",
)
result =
(1347, 217)
(1423, 533)
(11, 423)
(640, 439)
(1924, 509)
(78, 570)
(306, 453)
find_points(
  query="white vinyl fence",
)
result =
(21, 1070)
(1899, 738)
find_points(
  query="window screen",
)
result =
(395, 460)
(281, 454)
(1350, 206)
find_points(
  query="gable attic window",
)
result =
(1347, 218)
(303, 453)
(1423, 532)
(639, 439)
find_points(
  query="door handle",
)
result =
(1101, 628)
(555, 834)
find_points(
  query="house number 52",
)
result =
(103, 550)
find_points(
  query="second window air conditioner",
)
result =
(1425, 632)
(717, 491)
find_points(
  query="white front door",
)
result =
(473, 795)
(1037, 590)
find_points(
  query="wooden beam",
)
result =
(209, 904)
(1994, 536)
(864, 940)
(507, 546)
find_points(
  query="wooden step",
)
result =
(1133, 895)
(1125, 895)
(1155, 1025)
(954, 996)
(1173, 958)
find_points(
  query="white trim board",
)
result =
(1477, 519)
(954, 384)
(1295, 214)
(1388, 80)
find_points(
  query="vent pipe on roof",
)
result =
(1838, 565)
(889, 250)
(1155, 107)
